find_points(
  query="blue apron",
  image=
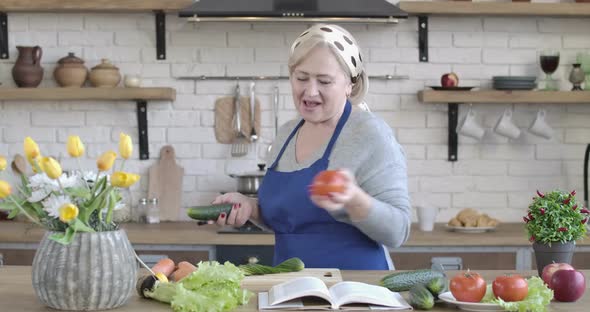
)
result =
(307, 231)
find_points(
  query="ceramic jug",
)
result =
(27, 71)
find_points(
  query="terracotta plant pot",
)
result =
(105, 74)
(96, 271)
(70, 71)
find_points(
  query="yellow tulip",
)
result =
(106, 161)
(36, 160)
(31, 148)
(125, 146)
(5, 189)
(75, 146)
(68, 212)
(51, 167)
(2, 163)
(124, 179)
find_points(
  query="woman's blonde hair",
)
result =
(314, 37)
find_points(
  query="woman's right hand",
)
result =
(244, 208)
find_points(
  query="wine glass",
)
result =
(549, 60)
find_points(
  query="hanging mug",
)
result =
(27, 71)
(540, 127)
(506, 127)
(469, 126)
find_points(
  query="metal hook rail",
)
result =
(203, 77)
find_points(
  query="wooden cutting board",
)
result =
(265, 282)
(224, 116)
(165, 184)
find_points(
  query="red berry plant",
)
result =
(555, 217)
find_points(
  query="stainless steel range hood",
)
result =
(333, 11)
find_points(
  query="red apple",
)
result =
(449, 80)
(568, 285)
(549, 269)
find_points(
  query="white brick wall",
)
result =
(496, 175)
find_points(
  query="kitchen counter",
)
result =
(188, 233)
(508, 238)
(16, 292)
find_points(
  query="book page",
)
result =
(297, 288)
(357, 292)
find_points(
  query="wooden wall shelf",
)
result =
(496, 96)
(495, 8)
(93, 5)
(139, 95)
(66, 94)
(158, 7)
(425, 8)
(453, 98)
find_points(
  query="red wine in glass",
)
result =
(549, 63)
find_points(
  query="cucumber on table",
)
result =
(421, 298)
(402, 281)
(210, 212)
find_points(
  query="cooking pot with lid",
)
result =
(249, 182)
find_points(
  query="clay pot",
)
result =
(105, 74)
(27, 71)
(70, 71)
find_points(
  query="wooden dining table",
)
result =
(17, 295)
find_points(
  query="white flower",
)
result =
(71, 181)
(38, 195)
(42, 181)
(52, 204)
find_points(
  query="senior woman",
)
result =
(348, 230)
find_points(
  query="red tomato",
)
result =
(328, 181)
(510, 287)
(468, 286)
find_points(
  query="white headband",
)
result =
(340, 41)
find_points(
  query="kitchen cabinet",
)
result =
(425, 8)
(139, 95)
(453, 98)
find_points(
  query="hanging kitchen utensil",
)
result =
(225, 117)
(165, 184)
(239, 147)
(253, 135)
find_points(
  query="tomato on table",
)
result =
(468, 286)
(510, 287)
(326, 182)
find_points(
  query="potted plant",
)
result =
(84, 261)
(554, 223)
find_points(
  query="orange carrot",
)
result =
(165, 266)
(184, 269)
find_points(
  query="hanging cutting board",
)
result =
(224, 117)
(266, 281)
(165, 184)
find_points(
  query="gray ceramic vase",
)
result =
(97, 271)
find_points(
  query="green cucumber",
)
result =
(437, 286)
(206, 213)
(421, 298)
(290, 265)
(402, 281)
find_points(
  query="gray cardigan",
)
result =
(366, 146)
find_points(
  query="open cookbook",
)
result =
(310, 293)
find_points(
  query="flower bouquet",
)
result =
(84, 262)
(554, 222)
(67, 203)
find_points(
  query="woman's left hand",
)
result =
(338, 200)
